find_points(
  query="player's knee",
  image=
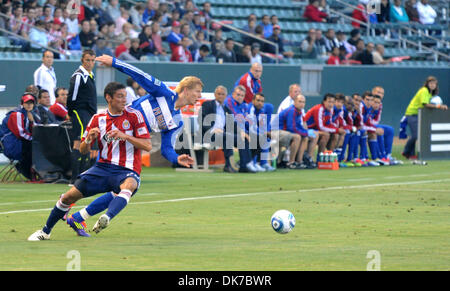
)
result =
(129, 184)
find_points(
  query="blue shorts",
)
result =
(103, 178)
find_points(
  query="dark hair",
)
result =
(259, 94)
(42, 91)
(427, 81)
(130, 81)
(340, 96)
(57, 91)
(87, 52)
(328, 95)
(43, 54)
(111, 88)
(376, 96)
(204, 48)
(366, 93)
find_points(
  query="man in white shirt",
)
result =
(45, 76)
(294, 91)
(426, 13)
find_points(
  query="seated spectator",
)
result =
(174, 38)
(366, 57)
(266, 25)
(149, 11)
(89, 9)
(201, 53)
(27, 22)
(255, 54)
(131, 89)
(331, 40)
(136, 13)
(38, 35)
(334, 57)
(342, 42)
(427, 14)
(135, 49)
(206, 11)
(359, 13)
(181, 53)
(384, 14)
(59, 108)
(127, 32)
(250, 28)
(398, 13)
(124, 15)
(58, 14)
(259, 32)
(72, 24)
(320, 44)
(123, 51)
(276, 38)
(292, 126)
(217, 42)
(244, 55)
(378, 55)
(227, 54)
(145, 41)
(16, 134)
(43, 108)
(411, 10)
(360, 46)
(313, 14)
(47, 14)
(113, 9)
(157, 40)
(355, 35)
(274, 20)
(87, 37)
(308, 45)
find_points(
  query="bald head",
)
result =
(256, 69)
(299, 102)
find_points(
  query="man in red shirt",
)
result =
(181, 53)
(313, 14)
(121, 134)
(59, 108)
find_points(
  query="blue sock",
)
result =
(95, 207)
(356, 141)
(57, 213)
(363, 155)
(388, 139)
(381, 146)
(118, 203)
(344, 147)
(373, 145)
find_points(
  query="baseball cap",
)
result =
(175, 24)
(27, 97)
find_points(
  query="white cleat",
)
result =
(39, 235)
(101, 223)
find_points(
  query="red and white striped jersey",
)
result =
(20, 125)
(116, 151)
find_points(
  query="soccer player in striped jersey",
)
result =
(161, 112)
(121, 134)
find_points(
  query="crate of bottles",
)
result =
(328, 161)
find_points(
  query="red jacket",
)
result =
(181, 55)
(359, 15)
(314, 14)
(20, 126)
(333, 60)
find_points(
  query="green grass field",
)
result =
(219, 221)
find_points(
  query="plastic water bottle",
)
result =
(327, 158)
(321, 157)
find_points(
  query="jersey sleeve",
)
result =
(16, 123)
(140, 128)
(152, 85)
(93, 123)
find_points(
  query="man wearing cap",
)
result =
(16, 134)
(276, 38)
(175, 37)
(45, 76)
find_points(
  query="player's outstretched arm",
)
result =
(150, 84)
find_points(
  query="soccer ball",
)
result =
(282, 221)
(436, 100)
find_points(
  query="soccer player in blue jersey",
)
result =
(161, 112)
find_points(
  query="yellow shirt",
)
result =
(422, 97)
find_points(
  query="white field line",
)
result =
(252, 194)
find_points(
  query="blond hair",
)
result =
(188, 82)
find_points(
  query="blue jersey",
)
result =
(157, 108)
(258, 120)
(239, 111)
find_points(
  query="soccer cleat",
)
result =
(258, 167)
(382, 162)
(78, 227)
(268, 167)
(101, 223)
(373, 164)
(342, 165)
(350, 164)
(39, 235)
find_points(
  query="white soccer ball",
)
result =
(436, 100)
(282, 221)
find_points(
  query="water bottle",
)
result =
(321, 157)
(287, 153)
(327, 158)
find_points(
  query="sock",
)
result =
(373, 146)
(355, 144)
(363, 155)
(75, 163)
(388, 139)
(95, 207)
(118, 203)
(57, 213)
(341, 157)
(381, 146)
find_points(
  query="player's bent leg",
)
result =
(58, 212)
(127, 189)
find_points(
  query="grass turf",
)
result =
(219, 221)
